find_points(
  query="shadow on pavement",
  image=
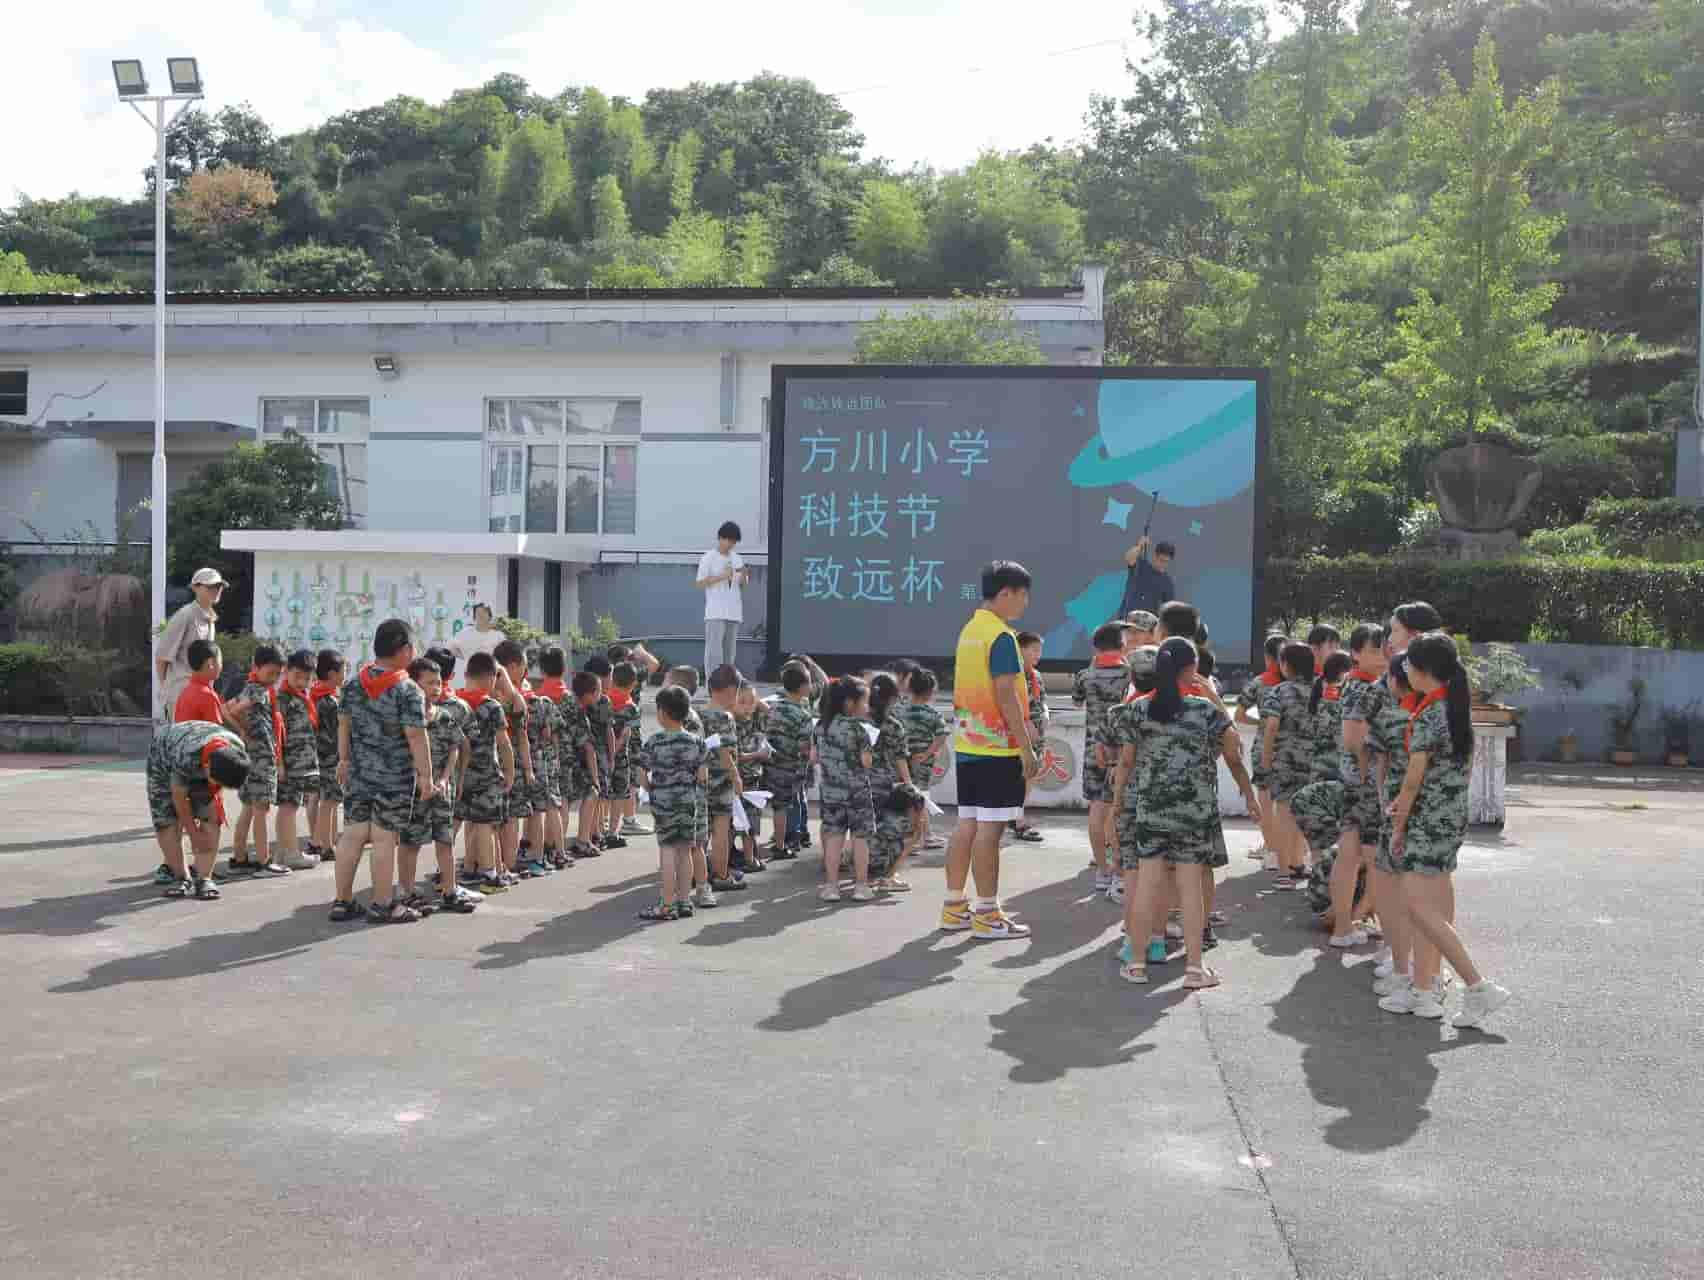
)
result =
(1375, 1067)
(80, 913)
(1276, 921)
(574, 933)
(779, 901)
(80, 842)
(279, 939)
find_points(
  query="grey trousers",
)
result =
(719, 639)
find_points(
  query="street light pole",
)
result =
(185, 76)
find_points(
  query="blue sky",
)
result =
(930, 81)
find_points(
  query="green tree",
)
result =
(321, 268)
(1475, 334)
(609, 210)
(537, 179)
(998, 222)
(890, 235)
(278, 485)
(973, 331)
(16, 277)
(696, 249)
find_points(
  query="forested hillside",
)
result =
(1429, 218)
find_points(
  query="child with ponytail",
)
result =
(1251, 708)
(890, 768)
(1318, 807)
(1428, 825)
(1166, 795)
(846, 809)
(1286, 726)
(1364, 696)
(1387, 738)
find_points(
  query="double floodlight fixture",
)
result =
(132, 80)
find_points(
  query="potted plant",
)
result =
(1677, 734)
(1568, 745)
(1500, 673)
(1623, 720)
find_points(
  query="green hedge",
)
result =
(1561, 601)
(50, 680)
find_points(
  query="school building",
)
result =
(561, 454)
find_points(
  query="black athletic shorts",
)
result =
(990, 788)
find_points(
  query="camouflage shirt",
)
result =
(1292, 754)
(379, 760)
(1438, 823)
(444, 734)
(628, 721)
(328, 709)
(718, 723)
(301, 743)
(179, 747)
(923, 724)
(1175, 786)
(259, 732)
(575, 734)
(1328, 738)
(1385, 736)
(600, 719)
(1038, 712)
(484, 768)
(791, 733)
(544, 721)
(1363, 700)
(889, 752)
(1098, 690)
(843, 745)
(671, 759)
(750, 735)
(458, 712)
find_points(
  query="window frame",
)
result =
(316, 438)
(18, 371)
(563, 441)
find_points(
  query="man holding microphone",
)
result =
(721, 574)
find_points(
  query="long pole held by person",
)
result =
(132, 85)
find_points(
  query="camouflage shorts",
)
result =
(573, 783)
(1363, 811)
(433, 823)
(783, 785)
(1428, 855)
(485, 804)
(545, 793)
(892, 831)
(604, 771)
(1097, 782)
(676, 823)
(1383, 860)
(297, 788)
(1140, 839)
(847, 815)
(620, 782)
(719, 803)
(1318, 809)
(328, 788)
(518, 804)
(1286, 782)
(390, 812)
(160, 807)
(262, 785)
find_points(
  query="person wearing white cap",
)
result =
(195, 621)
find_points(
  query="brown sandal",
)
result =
(1199, 978)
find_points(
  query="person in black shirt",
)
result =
(1148, 585)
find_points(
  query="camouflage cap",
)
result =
(1141, 661)
(1142, 620)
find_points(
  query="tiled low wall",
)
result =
(84, 735)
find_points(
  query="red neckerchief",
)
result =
(1437, 695)
(1109, 660)
(1272, 675)
(376, 681)
(1034, 682)
(552, 687)
(620, 699)
(213, 788)
(277, 715)
(1333, 692)
(313, 711)
(475, 698)
(322, 689)
(1355, 673)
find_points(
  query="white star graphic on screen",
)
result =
(1117, 513)
(1195, 528)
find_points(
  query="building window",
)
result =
(336, 428)
(14, 392)
(562, 466)
(763, 474)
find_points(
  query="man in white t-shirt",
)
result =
(721, 574)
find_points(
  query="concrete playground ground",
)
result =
(782, 1088)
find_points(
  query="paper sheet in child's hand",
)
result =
(757, 799)
(741, 822)
(713, 742)
(875, 733)
(644, 796)
(935, 810)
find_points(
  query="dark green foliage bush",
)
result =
(50, 680)
(1574, 602)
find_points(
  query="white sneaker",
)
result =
(634, 827)
(1269, 862)
(703, 896)
(1354, 938)
(1103, 882)
(1383, 965)
(829, 893)
(1401, 999)
(1429, 1003)
(863, 893)
(1479, 1003)
(1390, 984)
(299, 861)
(1115, 892)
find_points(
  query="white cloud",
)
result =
(905, 73)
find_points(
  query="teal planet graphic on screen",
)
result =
(1192, 441)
